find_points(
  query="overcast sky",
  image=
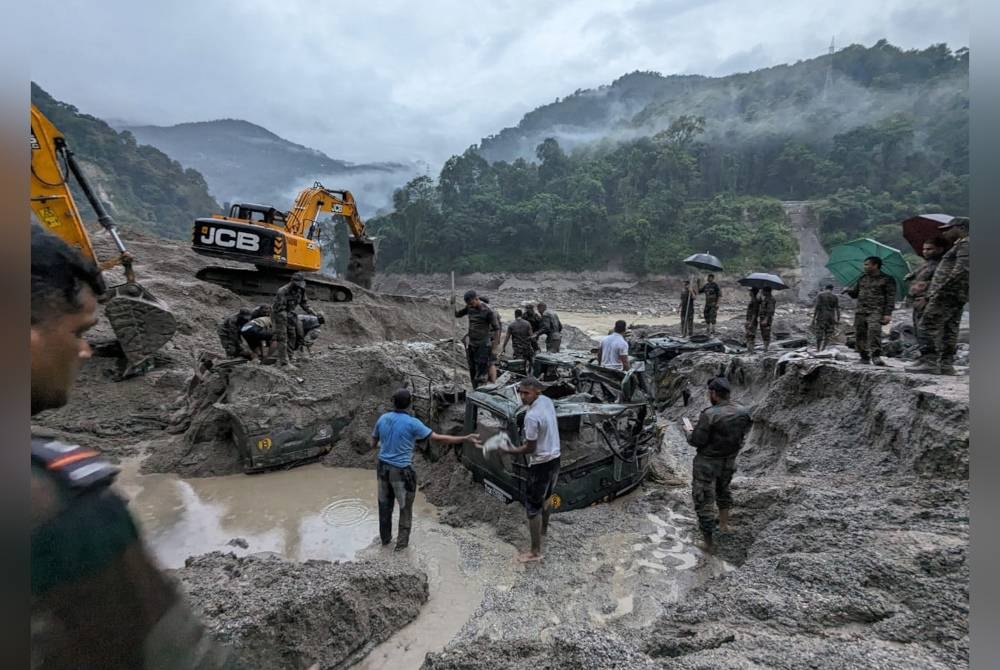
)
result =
(398, 80)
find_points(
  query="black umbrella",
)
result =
(705, 261)
(763, 280)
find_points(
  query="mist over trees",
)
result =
(888, 139)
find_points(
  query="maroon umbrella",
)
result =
(919, 229)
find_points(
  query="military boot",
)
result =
(947, 366)
(925, 365)
(751, 343)
(877, 360)
(767, 345)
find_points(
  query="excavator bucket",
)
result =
(361, 265)
(141, 321)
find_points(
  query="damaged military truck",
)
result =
(606, 447)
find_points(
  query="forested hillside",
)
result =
(142, 187)
(702, 164)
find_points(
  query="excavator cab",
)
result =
(142, 323)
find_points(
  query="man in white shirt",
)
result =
(614, 349)
(541, 445)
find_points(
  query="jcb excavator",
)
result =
(141, 322)
(280, 243)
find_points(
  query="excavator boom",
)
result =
(141, 322)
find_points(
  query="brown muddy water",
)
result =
(312, 512)
(316, 512)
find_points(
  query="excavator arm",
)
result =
(317, 200)
(142, 323)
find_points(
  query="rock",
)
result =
(238, 542)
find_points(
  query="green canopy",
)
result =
(847, 262)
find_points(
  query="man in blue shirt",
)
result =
(395, 435)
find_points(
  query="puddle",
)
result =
(307, 512)
(313, 512)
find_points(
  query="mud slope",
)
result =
(346, 387)
(279, 614)
(113, 416)
(850, 532)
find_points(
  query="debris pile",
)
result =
(280, 614)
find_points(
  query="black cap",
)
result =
(719, 384)
(469, 295)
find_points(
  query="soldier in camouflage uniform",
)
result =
(687, 308)
(283, 317)
(520, 332)
(229, 333)
(875, 292)
(712, 296)
(717, 438)
(766, 316)
(97, 598)
(826, 316)
(753, 316)
(920, 279)
(946, 298)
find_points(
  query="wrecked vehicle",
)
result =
(606, 447)
(654, 354)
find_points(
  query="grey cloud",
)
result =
(394, 81)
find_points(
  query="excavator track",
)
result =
(259, 283)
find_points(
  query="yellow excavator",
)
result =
(141, 322)
(280, 243)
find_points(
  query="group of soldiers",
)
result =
(713, 294)
(482, 342)
(938, 292)
(275, 329)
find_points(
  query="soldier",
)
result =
(97, 598)
(875, 292)
(946, 298)
(687, 309)
(717, 438)
(258, 333)
(766, 316)
(550, 327)
(229, 333)
(753, 317)
(534, 319)
(920, 279)
(826, 316)
(712, 296)
(288, 297)
(520, 331)
(483, 336)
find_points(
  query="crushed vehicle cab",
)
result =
(606, 447)
(655, 377)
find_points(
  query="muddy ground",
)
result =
(280, 614)
(849, 538)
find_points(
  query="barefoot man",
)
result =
(541, 446)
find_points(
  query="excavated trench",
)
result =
(849, 534)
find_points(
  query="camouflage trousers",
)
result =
(765, 328)
(286, 333)
(687, 323)
(710, 488)
(750, 329)
(395, 484)
(938, 332)
(825, 330)
(711, 312)
(552, 345)
(526, 353)
(868, 334)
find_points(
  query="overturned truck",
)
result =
(606, 447)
